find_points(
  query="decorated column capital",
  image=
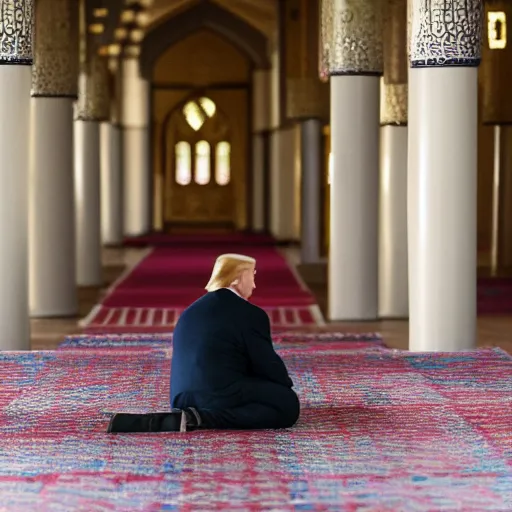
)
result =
(445, 33)
(352, 37)
(93, 102)
(55, 68)
(393, 105)
(16, 31)
(116, 87)
(306, 95)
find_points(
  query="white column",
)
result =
(111, 173)
(136, 161)
(87, 197)
(92, 107)
(51, 209)
(52, 266)
(15, 83)
(354, 69)
(442, 189)
(261, 103)
(393, 282)
(311, 172)
(258, 182)
(442, 180)
(285, 184)
(353, 284)
(393, 261)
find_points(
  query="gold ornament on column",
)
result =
(393, 104)
(55, 68)
(116, 93)
(394, 83)
(323, 42)
(353, 36)
(93, 90)
(306, 96)
(16, 31)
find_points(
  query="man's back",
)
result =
(208, 339)
(219, 341)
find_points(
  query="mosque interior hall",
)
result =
(360, 151)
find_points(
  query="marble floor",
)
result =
(48, 332)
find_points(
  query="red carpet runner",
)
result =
(153, 295)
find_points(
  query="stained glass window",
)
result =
(208, 106)
(197, 112)
(194, 115)
(223, 163)
(183, 163)
(202, 174)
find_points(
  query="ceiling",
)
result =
(261, 14)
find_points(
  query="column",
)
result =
(15, 80)
(311, 176)
(91, 109)
(52, 264)
(111, 166)
(442, 180)
(393, 283)
(307, 103)
(136, 161)
(260, 128)
(285, 184)
(352, 35)
(495, 163)
(284, 164)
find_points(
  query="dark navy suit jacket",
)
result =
(220, 343)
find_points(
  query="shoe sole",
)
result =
(183, 424)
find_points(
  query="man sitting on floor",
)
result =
(225, 373)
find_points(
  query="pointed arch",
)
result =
(204, 15)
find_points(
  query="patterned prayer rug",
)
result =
(285, 340)
(380, 430)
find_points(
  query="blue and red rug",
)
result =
(355, 341)
(380, 430)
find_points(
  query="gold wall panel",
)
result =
(496, 70)
(307, 98)
(203, 58)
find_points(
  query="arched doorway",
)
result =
(199, 189)
(201, 95)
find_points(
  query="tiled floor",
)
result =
(47, 333)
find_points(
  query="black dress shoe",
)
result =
(173, 421)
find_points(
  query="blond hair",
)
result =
(227, 269)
